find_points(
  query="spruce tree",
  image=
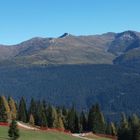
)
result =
(13, 109)
(83, 122)
(60, 119)
(136, 132)
(77, 123)
(31, 120)
(124, 121)
(41, 118)
(124, 131)
(108, 130)
(22, 111)
(5, 102)
(96, 122)
(113, 129)
(50, 116)
(54, 117)
(13, 130)
(60, 123)
(64, 116)
(71, 120)
(3, 112)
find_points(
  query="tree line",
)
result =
(41, 114)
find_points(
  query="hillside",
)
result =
(115, 88)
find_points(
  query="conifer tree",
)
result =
(3, 112)
(134, 120)
(33, 110)
(13, 130)
(5, 102)
(60, 123)
(77, 123)
(96, 122)
(31, 120)
(124, 131)
(113, 129)
(71, 120)
(13, 109)
(83, 122)
(64, 116)
(41, 118)
(124, 121)
(60, 119)
(52, 117)
(136, 132)
(22, 111)
(108, 129)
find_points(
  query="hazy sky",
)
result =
(24, 19)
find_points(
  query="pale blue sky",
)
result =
(24, 19)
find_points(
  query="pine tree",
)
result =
(33, 110)
(52, 117)
(60, 123)
(77, 123)
(31, 120)
(124, 121)
(13, 109)
(60, 119)
(91, 118)
(71, 120)
(22, 111)
(136, 132)
(96, 122)
(101, 123)
(64, 116)
(108, 129)
(134, 120)
(113, 129)
(83, 122)
(13, 130)
(49, 116)
(41, 118)
(5, 102)
(3, 112)
(124, 131)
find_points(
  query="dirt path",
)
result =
(81, 136)
(26, 126)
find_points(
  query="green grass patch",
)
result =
(40, 135)
(36, 135)
(95, 137)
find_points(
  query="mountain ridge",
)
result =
(106, 48)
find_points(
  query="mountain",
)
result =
(66, 49)
(126, 47)
(75, 70)
(107, 48)
(124, 42)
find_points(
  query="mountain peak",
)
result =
(129, 35)
(64, 35)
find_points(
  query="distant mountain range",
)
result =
(69, 49)
(75, 70)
